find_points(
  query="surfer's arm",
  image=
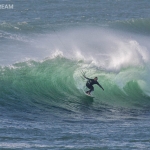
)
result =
(86, 77)
(100, 86)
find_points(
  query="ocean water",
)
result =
(44, 48)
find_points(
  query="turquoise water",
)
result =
(45, 45)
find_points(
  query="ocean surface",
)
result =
(45, 45)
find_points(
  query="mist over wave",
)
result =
(107, 48)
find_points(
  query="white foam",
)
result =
(56, 54)
(103, 48)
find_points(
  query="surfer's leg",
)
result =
(87, 85)
(91, 89)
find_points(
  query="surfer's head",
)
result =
(95, 78)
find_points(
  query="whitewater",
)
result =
(45, 47)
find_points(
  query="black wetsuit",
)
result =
(90, 84)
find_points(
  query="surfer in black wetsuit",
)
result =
(90, 84)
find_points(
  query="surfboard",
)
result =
(88, 94)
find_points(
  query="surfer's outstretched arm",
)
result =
(100, 86)
(83, 73)
(85, 77)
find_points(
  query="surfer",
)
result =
(90, 84)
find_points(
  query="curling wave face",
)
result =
(58, 82)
